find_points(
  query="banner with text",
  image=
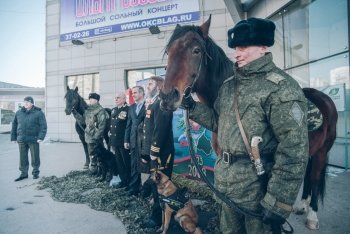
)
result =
(337, 93)
(81, 19)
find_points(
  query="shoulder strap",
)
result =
(238, 118)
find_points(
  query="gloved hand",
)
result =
(154, 165)
(145, 158)
(188, 103)
(273, 219)
(270, 216)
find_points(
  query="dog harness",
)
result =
(176, 201)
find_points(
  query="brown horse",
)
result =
(196, 63)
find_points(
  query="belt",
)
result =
(229, 158)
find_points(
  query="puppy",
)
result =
(106, 163)
(174, 200)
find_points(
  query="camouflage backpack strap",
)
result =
(253, 151)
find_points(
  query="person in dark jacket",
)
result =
(28, 130)
(135, 117)
(119, 118)
(157, 144)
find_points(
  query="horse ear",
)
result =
(67, 87)
(205, 27)
(177, 26)
(76, 89)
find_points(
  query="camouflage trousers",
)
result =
(239, 182)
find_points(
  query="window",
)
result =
(310, 30)
(312, 45)
(326, 72)
(87, 83)
(132, 76)
(6, 116)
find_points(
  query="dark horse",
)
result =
(195, 61)
(75, 101)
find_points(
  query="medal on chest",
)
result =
(148, 113)
(122, 115)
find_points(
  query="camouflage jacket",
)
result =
(95, 119)
(272, 106)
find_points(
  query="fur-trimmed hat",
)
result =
(29, 99)
(253, 31)
(94, 96)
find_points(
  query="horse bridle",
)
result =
(188, 89)
(233, 205)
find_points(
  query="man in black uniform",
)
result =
(158, 143)
(135, 117)
(119, 117)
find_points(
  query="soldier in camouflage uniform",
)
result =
(95, 118)
(271, 105)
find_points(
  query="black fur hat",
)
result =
(253, 31)
(29, 99)
(94, 96)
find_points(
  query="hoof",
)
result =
(312, 220)
(312, 225)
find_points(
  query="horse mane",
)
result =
(218, 65)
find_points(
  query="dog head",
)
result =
(159, 177)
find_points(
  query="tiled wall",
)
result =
(110, 56)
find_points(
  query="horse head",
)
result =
(187, 56)
(72, 98)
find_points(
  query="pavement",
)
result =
(26, 210)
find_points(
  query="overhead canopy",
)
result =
(237, 8)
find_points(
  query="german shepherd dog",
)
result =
(173, 200)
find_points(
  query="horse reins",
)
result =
(233, 205)
(187, 91)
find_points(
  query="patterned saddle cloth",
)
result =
(314, 117)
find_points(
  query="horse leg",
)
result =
(302, 206)
(318, 173)
(87, 157)
(312, 221)
(81, 134)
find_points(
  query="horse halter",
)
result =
(74, 106)
(188, 89)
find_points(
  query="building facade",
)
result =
(11, 100)
(108, 46)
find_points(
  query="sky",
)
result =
(22, 42)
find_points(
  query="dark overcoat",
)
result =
(158, 132)
(119, 118)
(29, 126)
(133, 122)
